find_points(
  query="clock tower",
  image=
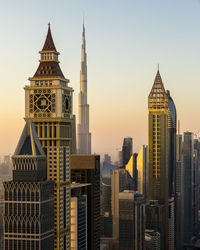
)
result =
(48, 102)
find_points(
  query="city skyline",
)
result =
(122, 62)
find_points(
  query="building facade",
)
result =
(179, 193)
(78, 217)
(131, 220)
(48, 102)
(142, 162)
(29, 197)
(188, 166)
(86, 169)
(152, 240)
(84, 136)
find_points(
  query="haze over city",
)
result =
(125, 41)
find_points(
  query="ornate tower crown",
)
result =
(158, 98)
(49, 64)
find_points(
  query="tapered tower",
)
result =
(158, 156)
(48, 102)
(84, 136)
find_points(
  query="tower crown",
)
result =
(49, 44)
(158, 98)
(49, 63)
(49, 52)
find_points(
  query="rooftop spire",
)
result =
(49, 44)
(158, 96)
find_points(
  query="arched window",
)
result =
(10, 227)
(23, 195)
(6, 195)
(23, 227)
(6, 227)
(15, 227)
(28, 228)
(15, 194)
(19, 195)
(28, 195)
(37, 228)
(32, 227)
(19, 227)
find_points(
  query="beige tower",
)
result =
(48, 102)
(84, 136)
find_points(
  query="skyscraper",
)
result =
(131, 220)
(84, 136)
(120, 181)
(29, 197)
(78, 217)
(179, 192)
(188, 149)
(162, 157)
(86, 169)
(127, 150)
(48, 102)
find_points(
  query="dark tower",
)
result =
(127, 150)
(29, 198)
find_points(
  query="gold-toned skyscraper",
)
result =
(48, 102)
(158, 154)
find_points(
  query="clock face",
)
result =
(66, 104)
(42, 103)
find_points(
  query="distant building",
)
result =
(106, 214)
(171, 223)
(131, 220)
(196, 188)
(142, 171)
(188, 171)
(29, 198)
(86, 169)
(179, 194)
(1, 215)
(107, 159)
(78, 217)
(127, 150)
(120, 180)
(120, 158)
(152, 240)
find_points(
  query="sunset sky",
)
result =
(125, 40)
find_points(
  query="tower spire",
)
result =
(84, 136)
(49, 44)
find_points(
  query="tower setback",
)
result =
(29, 197)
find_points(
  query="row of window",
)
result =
(21, 244)
(18, 195)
